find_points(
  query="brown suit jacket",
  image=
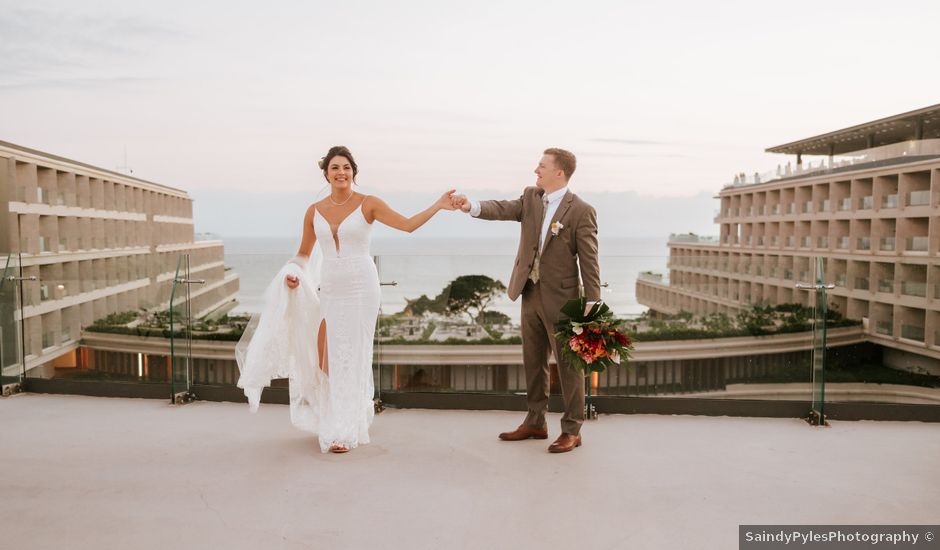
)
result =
(574, 246)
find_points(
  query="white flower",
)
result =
(577, 329)
(556, 228)
(615, 357)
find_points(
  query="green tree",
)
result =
(470, 292)
(488, 318)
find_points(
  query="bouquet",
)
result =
(593, 341)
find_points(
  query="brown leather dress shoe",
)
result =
(565, 443)
(524, 432)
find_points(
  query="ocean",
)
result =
(422, 265)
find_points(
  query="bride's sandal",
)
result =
(336, 448)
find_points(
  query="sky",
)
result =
(662, 102)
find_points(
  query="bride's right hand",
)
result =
(292, 282)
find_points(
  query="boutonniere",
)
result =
(556, 228)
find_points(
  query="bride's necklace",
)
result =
(340, 203)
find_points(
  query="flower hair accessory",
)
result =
(321, 163)
(556, 228)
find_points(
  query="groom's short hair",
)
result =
(564, 160)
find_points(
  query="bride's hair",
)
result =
(338, 151)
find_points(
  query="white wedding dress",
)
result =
(281, 341)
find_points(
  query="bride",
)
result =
(322, 341)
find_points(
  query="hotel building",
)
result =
(97, 242)
(868, 203)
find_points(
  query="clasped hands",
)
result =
(453, 201)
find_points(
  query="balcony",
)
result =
(864, 243)
(890, 201)
(914, 148)
(866, 203)
(884, 328)
(918, 198)
(806, 242)
(887, 244)
(842, 243)
(845, 205)
(824, 205)
(886, 285)
(861, 283)
(822, 242)
(914, 288)
(912, 332)
(916, 244)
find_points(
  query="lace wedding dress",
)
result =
(281, 342)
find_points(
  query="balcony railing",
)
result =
(914, 288)
(890, 201)
(791, 242)
(842, 243)
(912, 332)
(866, 203)
(918, 198)
(917, 244)
(692, 238)
(824, 205)
(884, 327)
(886, 285)
(822, 242)
(861, 283)
(864, 243)
(887, 244)
(845, 205)
(875, 154)
(806, 242)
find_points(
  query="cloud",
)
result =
(634, 155)
(43, 49)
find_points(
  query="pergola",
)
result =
(914, 125)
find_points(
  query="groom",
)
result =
(558, 241)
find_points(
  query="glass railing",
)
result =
(866, 203)
(842, 243)
(824, 205)
(822, 242)
(886, 285)
(864, 243)
(791, 242)
(12, 367)
(917, 244)
(806, 242)
(861, 283)
(890, 201)
(887, 244)
(845, 205)
(913, 148)
(912, 332)
(884, 328)
(447, 325)
(918, 198)
(807, 207)
(914, 288)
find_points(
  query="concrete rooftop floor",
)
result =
(83, 472)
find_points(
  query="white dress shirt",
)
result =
(554, 200)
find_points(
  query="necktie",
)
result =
(534, 274)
